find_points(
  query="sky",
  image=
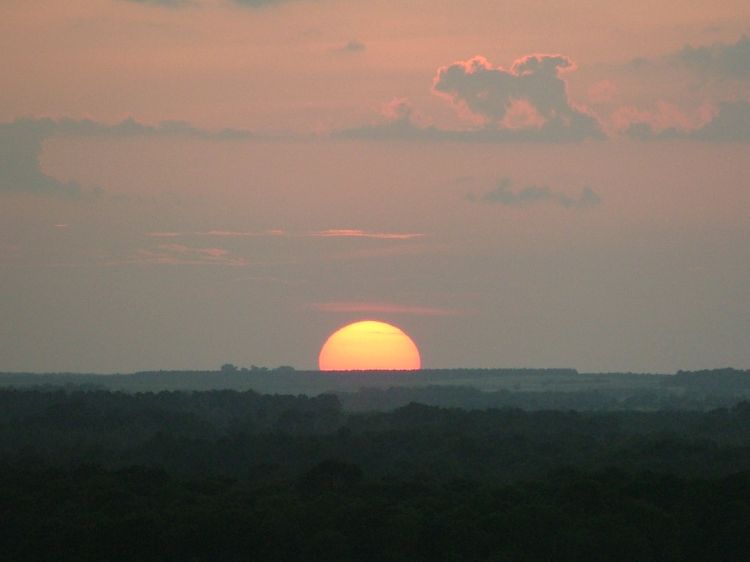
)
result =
(188, 183)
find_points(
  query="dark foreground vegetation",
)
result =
(334, 512)
(530, 389)
(227, 475)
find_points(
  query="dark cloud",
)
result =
(528, 103)
(730, 124)
(504, 194)
(21, 145)
(20, 171)
(533, 84)
(720, 60)
(353, 46)
(131, 127)
(404, 128)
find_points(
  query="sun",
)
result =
(369, 345)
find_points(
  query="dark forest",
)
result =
(431, 472)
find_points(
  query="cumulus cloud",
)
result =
(731, 123)
(21, 144)
(504, 194)
(720, 60)
(529, 102)
(532, 85)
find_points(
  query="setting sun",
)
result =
(369, 345)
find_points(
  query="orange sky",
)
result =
(536, 216)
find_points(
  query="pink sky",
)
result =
(237, 182)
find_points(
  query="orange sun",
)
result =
(369, 345)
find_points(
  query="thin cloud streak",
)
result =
(504, 194)
(356, 233)
(381, 308)
(276, 233)
(179, 254)
(731, 123)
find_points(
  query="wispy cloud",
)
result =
(277, 233)
(180, 254)
(242, 234)
(9, 250)
(356, 233)
(504, 194)
(720, 60)
(164, 234)
(381, 308)
(730, 123)
(21, 146)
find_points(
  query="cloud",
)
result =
(731, 123)
(356, 233)
(21, 144)
(528, 103)
(328, 233)
(242, 233)
(720, 60)
(163, 234)
(352, 46)
(503, 194)
(532, 85)
(130, 127)
(179, 254)
(381, 308)
(405, 129)
(20, 170)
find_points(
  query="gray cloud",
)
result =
(720, 60)
(504, 194)
(730, 124)
(528, 103)
(405, 129)
(131, 127)
(20, 171)
(21, 145)
(352, 46)
(493, 92)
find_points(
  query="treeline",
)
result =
(464, 388)
(245, 434)
(334, 511)
(384, 399)
(228, 476)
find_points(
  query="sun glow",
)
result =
(369, 345)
